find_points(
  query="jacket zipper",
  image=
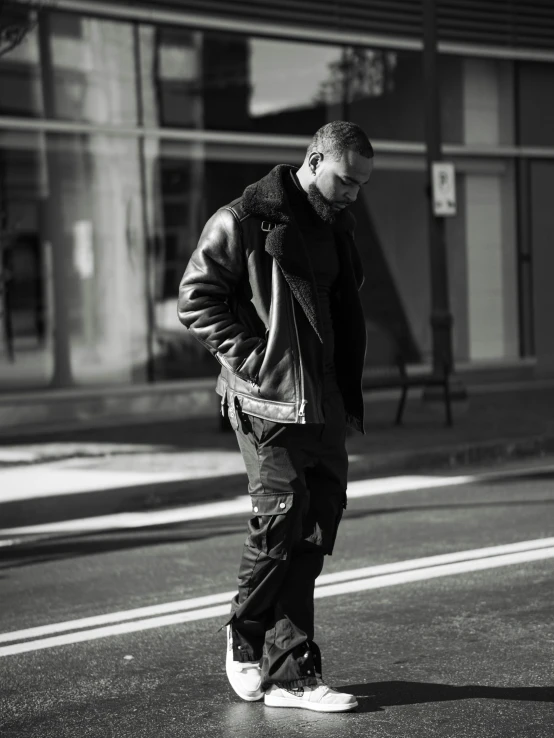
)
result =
(303, 401)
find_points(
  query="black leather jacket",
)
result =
(249, 295)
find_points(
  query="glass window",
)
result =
(228, 82)
(195, 79)
(535, 111)
(74, 68)
(73, 262)
(20, 83)
(91, 62)
(289, 84)
(384, 92)
(26, 353)
(451, 98)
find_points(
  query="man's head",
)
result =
(339, 161)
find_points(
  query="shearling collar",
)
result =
(268, 199)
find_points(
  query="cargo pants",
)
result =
(297, 485)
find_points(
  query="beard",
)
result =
(322, 206)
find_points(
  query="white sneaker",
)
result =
(321, 698)
(244, 677)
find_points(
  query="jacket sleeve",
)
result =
(212, 275)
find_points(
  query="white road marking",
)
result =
(441, 559)
(355, 580)
(113, 630)
(117, 617)
(235, 506)
(387, 580)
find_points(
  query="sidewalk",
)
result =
(143, 466)
(493, 423)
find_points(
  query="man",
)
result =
(272, 292)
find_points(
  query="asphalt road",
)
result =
(457, 646)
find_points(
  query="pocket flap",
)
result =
(267, 504)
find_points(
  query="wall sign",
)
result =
(444, 188)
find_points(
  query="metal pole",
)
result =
(441, 318)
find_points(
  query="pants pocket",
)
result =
(261, 430)
(271, 527)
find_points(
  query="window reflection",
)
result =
(93, 69)
(73, 283)
(20, 83)
(26, 356)
(536, 93)
(229, 82)
(288, 79)
(73, 68)
(225, 82)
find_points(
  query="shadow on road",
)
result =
(538, 475)
(358, 514)
(69, 547)
(374, 696)
(65, 546)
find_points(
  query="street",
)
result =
(436, 611)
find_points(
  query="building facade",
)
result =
(124, 126)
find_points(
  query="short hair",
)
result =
(336, 137)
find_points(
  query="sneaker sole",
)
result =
(315, 706)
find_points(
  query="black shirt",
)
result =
(320, 242)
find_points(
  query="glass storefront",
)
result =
(104, 193)
(194, 79)
(74, 282)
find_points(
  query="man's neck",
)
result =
(294, 176)
(305, 177)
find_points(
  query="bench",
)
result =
(405, 382)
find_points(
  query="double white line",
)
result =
(217, 605)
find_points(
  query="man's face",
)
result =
(336, 184)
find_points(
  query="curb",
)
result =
(455, 456)
(449, 456)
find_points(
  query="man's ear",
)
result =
(315, 160)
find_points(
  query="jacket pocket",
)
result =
(246, 368)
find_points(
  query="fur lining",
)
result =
(267, 199)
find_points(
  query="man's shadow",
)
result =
(375, 696)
